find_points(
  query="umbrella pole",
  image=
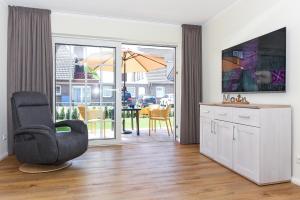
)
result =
(124, 102)
(124, 83)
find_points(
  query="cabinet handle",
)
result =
(244, 116)
(215, 128)
(222, 114)
(233, 135)
(205, 111)
(211, 124)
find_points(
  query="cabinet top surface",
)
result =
(253, 106)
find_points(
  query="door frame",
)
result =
(178, 69)
(175, 47)
(89, 41)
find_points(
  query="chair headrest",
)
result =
(29, 99)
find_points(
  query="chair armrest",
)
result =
(36, 132)
(75, 125)
(36, 144)
(40, 127)
(35, 129)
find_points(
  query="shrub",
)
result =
(56, 114)
(62, 113)
(68, 114)
(171, 114)
(105, 112)
(128, 114)
(111, 113)
(75, 114)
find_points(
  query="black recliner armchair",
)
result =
(36, 140)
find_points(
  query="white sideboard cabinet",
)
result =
(252, 140)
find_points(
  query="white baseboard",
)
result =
(296, 181)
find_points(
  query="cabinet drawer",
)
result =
(206, 111)
(223, 113)
(246, 116)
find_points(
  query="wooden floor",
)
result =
(158, 170)
(161, 135)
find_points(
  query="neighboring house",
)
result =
(70, 79)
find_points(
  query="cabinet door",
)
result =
(224, 132)
(246, 151)
(208, 138)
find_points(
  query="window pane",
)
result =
(81, 73)
(142, 91)
(76, 94)
(107, 91)
(58, 90)
(160, 92)
(131, 90)
(80, 94)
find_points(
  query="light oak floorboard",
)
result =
(147, 171)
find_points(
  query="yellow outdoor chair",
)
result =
(144, 112)
(94, 115)
(160, 114)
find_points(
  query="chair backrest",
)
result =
(92, 113)
(96, 113)
(81, 109)
(144, 112)
(161, 112)
(166, 112)
(31, 108)
(101, 113)
(154, 106)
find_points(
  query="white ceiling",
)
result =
(165, 11)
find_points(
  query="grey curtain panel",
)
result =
(30, 64)
(191, 87)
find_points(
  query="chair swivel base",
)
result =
(35, 169)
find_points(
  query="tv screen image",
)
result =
(258, 65)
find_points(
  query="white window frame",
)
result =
(107, 88)
(58, 93)
(82, 95)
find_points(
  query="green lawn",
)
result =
(144, 123)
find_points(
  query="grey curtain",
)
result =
(191, 92)
(30, 66)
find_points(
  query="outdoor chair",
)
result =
(144, 112)
(94, 115)
(160, 114)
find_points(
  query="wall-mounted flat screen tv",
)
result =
(258, 65)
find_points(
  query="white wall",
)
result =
(127, 31)
(116, 29)
(245, 20)
(3, 64)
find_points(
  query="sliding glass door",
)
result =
(87, 73)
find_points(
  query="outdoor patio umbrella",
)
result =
(132, 61)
